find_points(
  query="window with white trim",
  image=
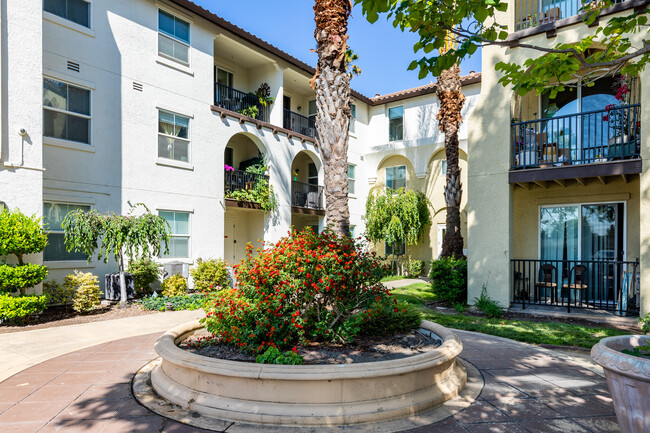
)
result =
(396, 177)
(179, 223)
(396, 123)
(353, 117)
(173, 37)
(53, 215)
(443, 168)
(77, 11)
(66, 111)
(352, 176)
(173, 136)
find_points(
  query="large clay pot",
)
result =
(628, 378)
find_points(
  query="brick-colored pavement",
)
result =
(527, 389)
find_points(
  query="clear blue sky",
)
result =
(384, 52)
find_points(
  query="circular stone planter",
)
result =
(307, 395)
(628, 378)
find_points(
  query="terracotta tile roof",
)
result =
(260, 43)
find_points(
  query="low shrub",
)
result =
(183, 302)
(413, 268)
(389, 317)
(210, 275)
(306, 287)
(17, 308)
(58, 294)
(176, 285)
(272, 355)
(487, 305)
(86, 291)
(145, 271)
(644, 321)
(449, 279)
(14, 278)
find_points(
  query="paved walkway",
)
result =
(527, 389)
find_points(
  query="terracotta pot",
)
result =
(628, 378)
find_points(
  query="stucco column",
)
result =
(278, 222)
(644, 196)
(490, 202)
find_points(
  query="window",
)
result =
(53, 215)
(443, 168)
(77, 11)
(312, 174)
(353, 117)
(179, 222)
(225, 78)
(173, 37)
(66, 111)
(400, 250)
(396, 123)
(351, 177)
(312, 111)
(228, 157)
(353, 231)
(173, 136)
(396, 177)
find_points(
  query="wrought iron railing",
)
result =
(238, 180)
(584, 138)
(598, 284)
(299, 123)
(533, 13)
(240, 102)
(306, 195)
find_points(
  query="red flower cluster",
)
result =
(306, 287)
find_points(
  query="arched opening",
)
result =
(396, 171)
(307, 193)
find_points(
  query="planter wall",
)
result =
(628, 378)
(312, 395)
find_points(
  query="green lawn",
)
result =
(520, 330)
(393, 278)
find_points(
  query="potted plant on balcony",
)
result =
(619, 122)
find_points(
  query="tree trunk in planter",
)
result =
(449, 119)
(332, 86)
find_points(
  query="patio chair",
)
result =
(578, 282)
(547, 281)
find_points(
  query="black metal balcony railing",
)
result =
(533, 13)
(597, 284)
(299, 123)
(240, 102)
(584, 138)
(238, 180)
(306, 195)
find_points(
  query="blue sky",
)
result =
(384, 52)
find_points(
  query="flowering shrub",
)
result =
(306, 287)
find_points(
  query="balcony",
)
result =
(611, 285)
(589, 144)
(299, 123)
(307, 198)
(240, 102)
(535, 13)
(241, 188)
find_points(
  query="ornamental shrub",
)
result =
(145, 271)
(449, 279)
(58, 294)
(86, 291)
(306, 287)
(210, 275)
(20, 235)
(386, 318)
(185, 302)
(413, 268)
(272, 355)
(17, 308)
(176, 285)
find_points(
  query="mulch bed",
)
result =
(61, 316)
(364, 349)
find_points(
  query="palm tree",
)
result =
(332, 86)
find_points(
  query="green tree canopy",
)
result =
(475, 24)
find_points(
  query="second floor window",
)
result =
(66, 111)
(173, 37)
(53, 215)
(351, 177)
(77, 11)
(224, 78)
(353, 118)
(396, 123)
(173, 136)
(396, 177)
(179, 223)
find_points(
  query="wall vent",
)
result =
(362, 158)
(137, 86)
(73, 66)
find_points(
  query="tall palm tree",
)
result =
(332, 86)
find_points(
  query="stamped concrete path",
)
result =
(527, 389)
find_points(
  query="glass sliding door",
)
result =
(559, 233)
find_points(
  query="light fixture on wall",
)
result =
(3, 205)
(299, 108)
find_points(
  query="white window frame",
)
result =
(188, 236)
(75, 262)
(396, 166)
(174, 38)
(443, 167)
(66, 22)
(188, 139)
(71, 113)
(352, 180)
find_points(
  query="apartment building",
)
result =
(107, 104)
(558, 190)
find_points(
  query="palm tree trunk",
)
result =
(332, 86)
(449, 118)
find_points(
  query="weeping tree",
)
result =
(116, 236)
(331, 84)
(396, 216)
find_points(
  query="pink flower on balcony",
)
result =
(605, 118)
(228, 168)
(609, 107)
